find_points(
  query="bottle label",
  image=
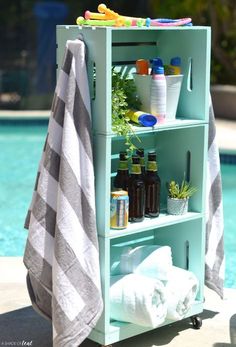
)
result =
(134, 115)
(158, 96)
(142, 118)
(174, 70)
(136, 169)
(142, 161)
(151, 166)
(123, 165)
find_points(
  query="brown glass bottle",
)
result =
(140, 153)
(136, 191)
(152, 187)
(122, 177)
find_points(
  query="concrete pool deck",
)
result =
(226, 135)
(19, 323)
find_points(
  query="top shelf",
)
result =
(134, 28)
(178, 123)
(110, 46)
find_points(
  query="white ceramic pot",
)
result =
(177, 206)
(173, 85)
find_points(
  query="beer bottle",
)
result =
(152, 187)
(136, 191)
(140, 153)
(122, 176)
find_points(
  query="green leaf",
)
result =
(182, 191)
(123, 98)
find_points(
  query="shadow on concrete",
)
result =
(25, 325)
(158, 337)
(232, 330)
(206, 314)
(223, 344)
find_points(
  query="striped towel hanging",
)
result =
(61, 252)
(214, 260)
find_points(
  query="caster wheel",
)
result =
(196, 321)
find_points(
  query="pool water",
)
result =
(21, 148)
(229, 202)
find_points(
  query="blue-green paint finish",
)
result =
(120, 47)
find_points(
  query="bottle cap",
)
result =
(157, 62)
(135, 159)
(140, 152)
(152, 156)
(118, 192)
(147, 120)
(175, 61)
(123, 155)
(142, 67)
(158, 70)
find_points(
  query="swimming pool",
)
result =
(21, 147)
(228, 172)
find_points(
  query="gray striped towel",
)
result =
(214, 259)
(61, 252)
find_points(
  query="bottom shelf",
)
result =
(118, 331)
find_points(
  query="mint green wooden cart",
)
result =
(181, 146)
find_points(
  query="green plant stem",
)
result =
(123, 98)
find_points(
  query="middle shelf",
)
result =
(153, 223)
(180, 154)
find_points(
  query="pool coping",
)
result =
(24, 115)
(225, 129)
(228, 158)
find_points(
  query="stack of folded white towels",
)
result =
(146, 288)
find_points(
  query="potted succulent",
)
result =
(178, 196)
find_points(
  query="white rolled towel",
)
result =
(181, 291)
(148, 260)
(137, 299)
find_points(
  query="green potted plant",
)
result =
(123, 98)
(178, 196)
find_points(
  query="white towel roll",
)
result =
(181, 291)
(138, 299)
(148, 260)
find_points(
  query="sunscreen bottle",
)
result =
(175, 66)
(155, 63)
(142, 118)
(142, 66)
(158, 94)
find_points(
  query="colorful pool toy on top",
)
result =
(107, 17)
